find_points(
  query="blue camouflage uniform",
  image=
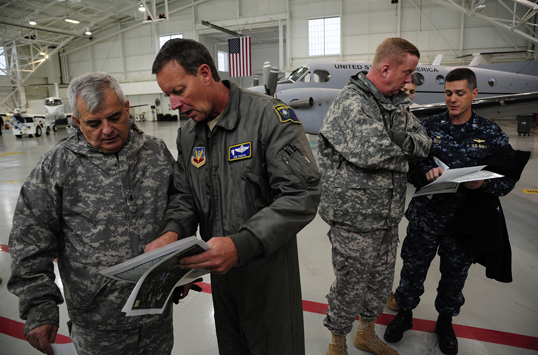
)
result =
(457, 146)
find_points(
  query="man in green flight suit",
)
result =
(246, 175)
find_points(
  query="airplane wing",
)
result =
(311, 105)
(492, 107)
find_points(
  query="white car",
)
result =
(22, 124)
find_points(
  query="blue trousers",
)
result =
(418, 250)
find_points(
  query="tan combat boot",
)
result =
(367, 340)
(338, 345)
(391, 303)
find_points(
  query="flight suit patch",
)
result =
(240, 151)
(198, 156)
(286, 114)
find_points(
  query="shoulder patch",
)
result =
(198, 157)
(240, 151)
(286, 114)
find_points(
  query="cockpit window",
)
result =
(298, 73)
(321, 76)
(53, 102)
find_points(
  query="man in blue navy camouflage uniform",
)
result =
(460, 138)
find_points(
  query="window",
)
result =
(164, 39)
(492, 82)
(222, 59)
(321, 76)
(2, 61)
(420, 78)
(440, 79)
(297, 74)
(324, 36)
(52, 102)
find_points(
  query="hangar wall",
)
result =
(127, 50)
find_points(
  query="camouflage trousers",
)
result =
(363, 264)
(155, 338)
(418, 250)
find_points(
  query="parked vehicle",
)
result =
(22, 124)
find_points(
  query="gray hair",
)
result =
(92, 88)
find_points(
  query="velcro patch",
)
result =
(286, 114)
(198, 156)
(240, 151)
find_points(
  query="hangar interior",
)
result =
(41, 52)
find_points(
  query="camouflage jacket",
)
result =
(458, 146)
(89, 210)
(363, 169)
(253, 178)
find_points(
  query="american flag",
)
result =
(239, 55)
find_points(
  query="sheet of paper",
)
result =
(451, 174)
(64, 349)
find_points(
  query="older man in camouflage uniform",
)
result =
(365, 144)
(461, 138)
(94, 200)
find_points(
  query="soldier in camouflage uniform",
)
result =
(460, 139)
(364, 147)
(94, 200)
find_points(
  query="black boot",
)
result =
(448, 343)
(400, 323)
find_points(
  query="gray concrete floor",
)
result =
(496, 318)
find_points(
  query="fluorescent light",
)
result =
(142, 8)
(42, 53)
(71, 21)
(33, 23)
(88, 33)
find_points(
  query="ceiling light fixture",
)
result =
(71, 21)
(33, 23)
(142, 8)
(88, 33)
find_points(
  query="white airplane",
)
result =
(54, 111)
(311, 89)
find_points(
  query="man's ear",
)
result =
(475, 92)
(76, 120)
(205, 72)
(127, 106)
(385, 68)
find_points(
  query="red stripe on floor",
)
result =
(4, 247)
(422, 325)
(15, 329)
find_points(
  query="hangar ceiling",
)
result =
(51, 32)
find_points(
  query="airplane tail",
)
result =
(528, 67)
(531, 68)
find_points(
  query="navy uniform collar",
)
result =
(472, 122)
